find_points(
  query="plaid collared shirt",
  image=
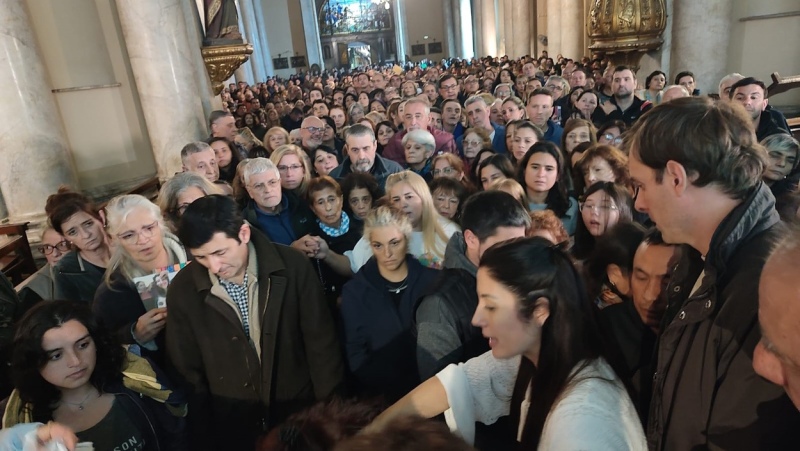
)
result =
(239, 295)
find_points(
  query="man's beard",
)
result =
(362, 166)
(624, 96)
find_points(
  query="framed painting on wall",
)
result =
(418, 50)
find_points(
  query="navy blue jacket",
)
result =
(379, 343)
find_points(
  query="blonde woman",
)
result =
(408, 192)
(143, 246)
(275, 137)
(293, 166)
(378, 307)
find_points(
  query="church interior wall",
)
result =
(425, 18)
(285, 33)
(82, 46)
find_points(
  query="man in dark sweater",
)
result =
(752, 95)
(443, 317)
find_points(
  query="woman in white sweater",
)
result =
(546, 368)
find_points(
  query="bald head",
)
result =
(777, 355)
(311, 132)
(674, 92)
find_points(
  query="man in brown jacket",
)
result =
(696, 169)
(248, 332)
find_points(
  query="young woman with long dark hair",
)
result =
(547, 368)
(541, 172)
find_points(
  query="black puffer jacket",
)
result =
(706, 394)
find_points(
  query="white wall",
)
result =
(285, 33)
(82, 45)
(426, 18)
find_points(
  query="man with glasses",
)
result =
(42, 284)
(448, 89)
(283, 217)
(312, 132)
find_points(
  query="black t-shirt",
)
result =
(114, 432)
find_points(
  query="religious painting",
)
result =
(280, 63)
(418, 50)
(434, 47)
(355, 16)
(298, 61)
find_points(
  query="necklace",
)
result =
(397, 289)
(80, 405)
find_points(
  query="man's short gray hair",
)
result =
(359, 130)
(504, 85)
(256, 166)
(217, 115)
(734, 77)
(193, 148)
(414, 100)
(475, 98)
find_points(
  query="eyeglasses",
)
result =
(598, 208)
(472, 143)
(47, 249)
(612, 139)
(449, 87)
(284, 169)
(555, 87)
(132, 237)
(445, 171)
(314, 130)
(261, 187)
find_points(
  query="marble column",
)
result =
(401, 32)
(456, 14)
(489, 28)
(554, 27)
(161, 58)
(250, 32)
(572, 30)
(195, 31)
(477, 26)
(261, 25)
(33, 145)
(523, 27)
(467, 43)
(701, 49)
(449, 34)
(311, 29)
(500, 27)
(508, 27)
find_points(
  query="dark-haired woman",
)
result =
(547, 368)
(603, 206)
(78, 274)
(541, 173)
(494, 168)
(227, 159)
(67, 368)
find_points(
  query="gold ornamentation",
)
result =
(222, 60)
(629, 28)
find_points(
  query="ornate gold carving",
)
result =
(222, 60)
(625, 29)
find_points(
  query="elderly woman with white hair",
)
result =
(179, 192)
(419, 146)
(143, 246)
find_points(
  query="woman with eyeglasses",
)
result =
(293, 167)
(42, 284)
(449, 165)
(611, 132)
(602, 206)
(475, 139)
(144, 246)
(78, 274)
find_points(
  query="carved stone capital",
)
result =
(222, 60)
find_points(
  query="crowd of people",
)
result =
(542, 250)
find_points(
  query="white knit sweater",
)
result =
(594, 412)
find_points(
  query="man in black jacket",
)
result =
(752, 95)
(696, 169)
(443, 317)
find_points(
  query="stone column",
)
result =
(467, 43)
(195, 31)
(554, 28)
(400, 30)
(489, 28)
(500, 27)
(458, 26)
(508, 27)
(161, 58)
(523, 26)
(33, 145)
(700, 49)
(449, 37)
(261, 25)
(250, 33)
(311, 28)
(476, 6)
(572, 30)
